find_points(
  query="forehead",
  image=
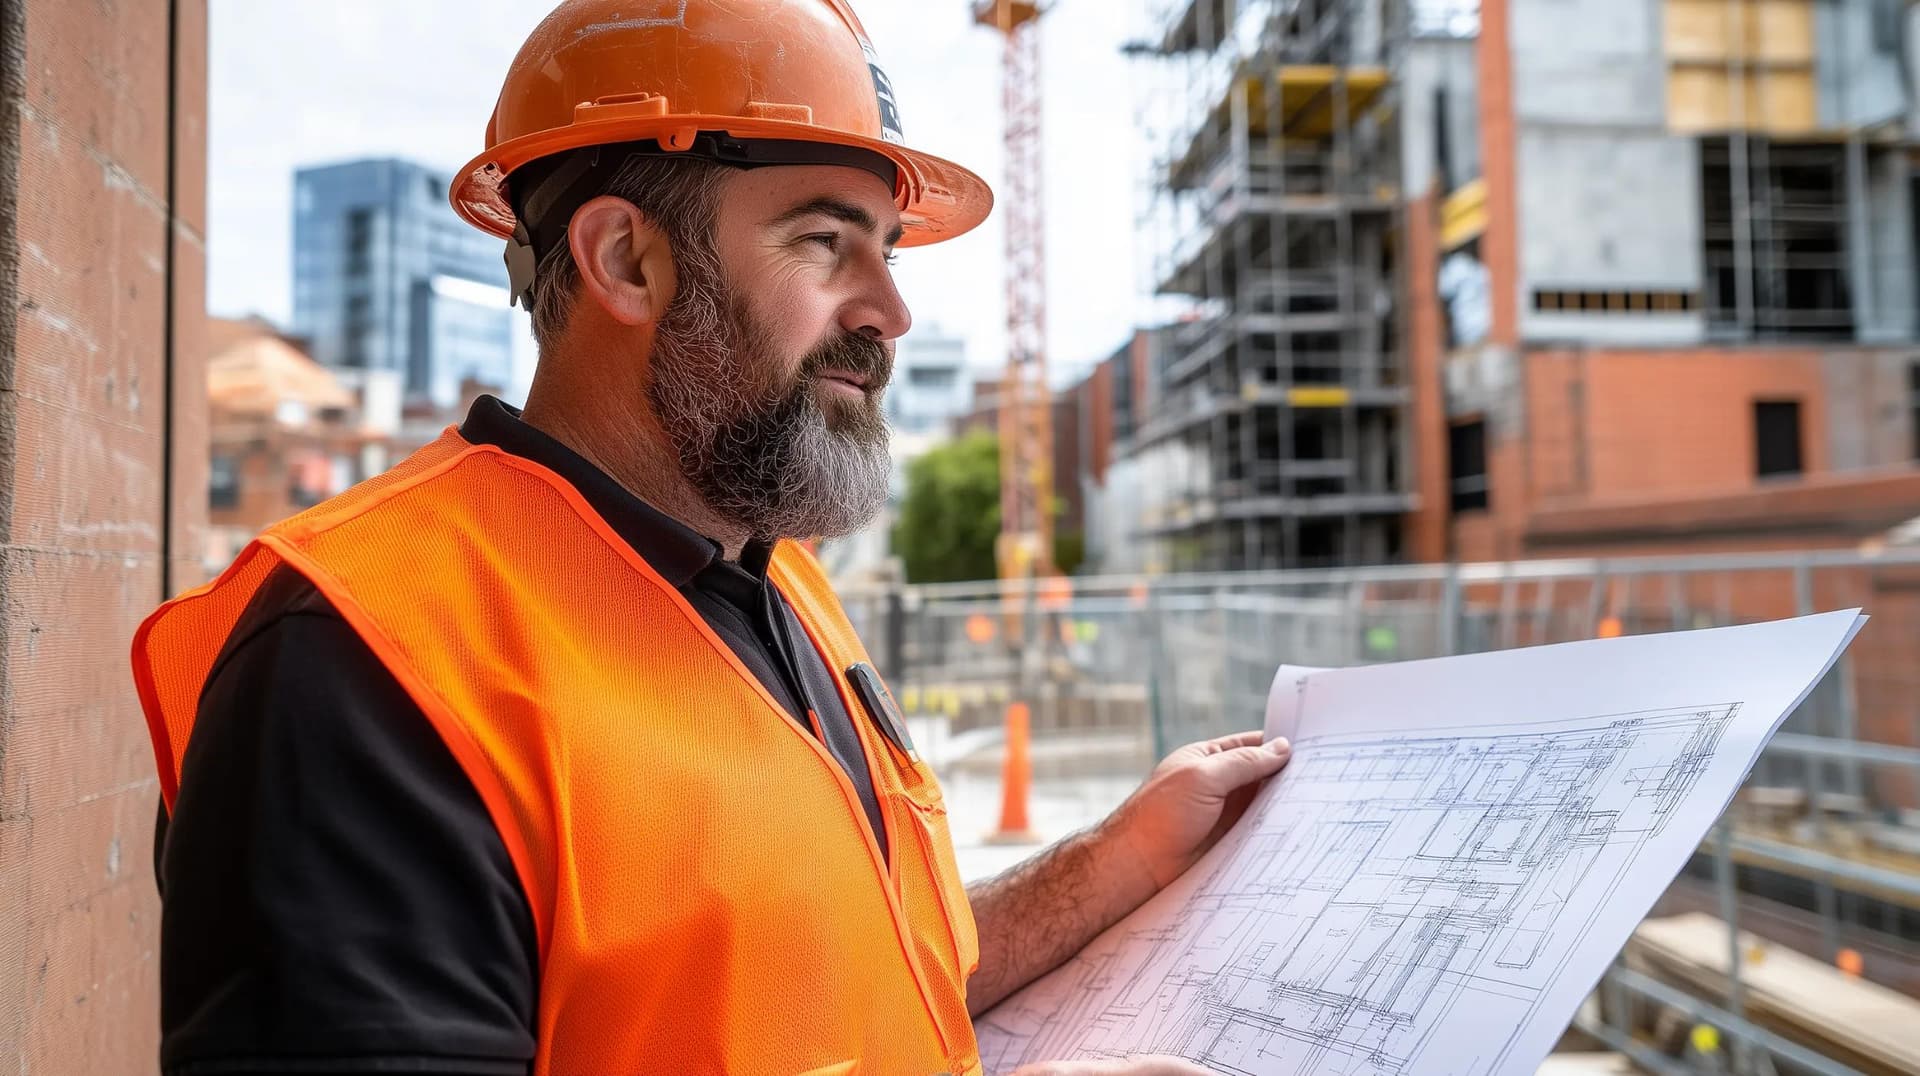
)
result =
(758, 196)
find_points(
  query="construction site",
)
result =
(1477, 325)
(1496, 325)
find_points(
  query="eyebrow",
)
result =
(840, 210)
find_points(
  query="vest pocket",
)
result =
(928, 814)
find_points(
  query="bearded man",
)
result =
(550, 750)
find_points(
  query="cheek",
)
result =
(793, 324)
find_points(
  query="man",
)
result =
(548, 750)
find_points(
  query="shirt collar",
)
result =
(673, 549)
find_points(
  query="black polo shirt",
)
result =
(335, 897)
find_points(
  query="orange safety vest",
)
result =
(704, 882)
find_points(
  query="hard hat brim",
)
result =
(938, 199)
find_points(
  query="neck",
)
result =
(628, 444)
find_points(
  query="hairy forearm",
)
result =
(1036, 915)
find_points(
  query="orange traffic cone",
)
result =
(1016, 780)
(1849, 963)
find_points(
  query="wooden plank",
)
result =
(1789, 991)
(1586, 1065)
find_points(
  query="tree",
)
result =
(950, 516)
(1069, 550)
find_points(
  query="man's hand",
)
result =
(1035, 916)
(1190, 801)
(1133, 1066)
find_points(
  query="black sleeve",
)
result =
(335, 896)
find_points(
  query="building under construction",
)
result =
(1490, 279)
(1278, 433)
(1661, 276)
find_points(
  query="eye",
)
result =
(892, 258)
(829, 240)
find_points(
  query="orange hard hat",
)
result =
(745, 82)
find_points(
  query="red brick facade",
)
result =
(102, 300)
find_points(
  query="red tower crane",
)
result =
(1025, 549)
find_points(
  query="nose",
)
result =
(878, 311)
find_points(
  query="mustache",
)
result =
(853, 353)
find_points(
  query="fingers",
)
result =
(1252, 738)
(1243, 766)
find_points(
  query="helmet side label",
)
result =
(883, 91)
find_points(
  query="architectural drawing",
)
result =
(1396, 905)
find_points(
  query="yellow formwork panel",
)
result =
(1307, 98)
(1704, 100)
(1306, 108)
(1781, 31)
(1741, 65)
(1769, 32)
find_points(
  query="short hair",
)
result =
(680, 194)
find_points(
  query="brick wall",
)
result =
(1615, 424)
(102, 191)
(1641, 434)
(1500, 244)
(1426, 535)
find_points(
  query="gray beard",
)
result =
(775, 464)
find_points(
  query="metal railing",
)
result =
(1826, 835)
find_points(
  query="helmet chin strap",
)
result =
(550, 190)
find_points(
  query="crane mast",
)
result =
(1025, 548)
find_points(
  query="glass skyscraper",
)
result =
(386, 277)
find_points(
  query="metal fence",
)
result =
(1822, 848)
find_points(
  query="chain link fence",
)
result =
(1820, 853)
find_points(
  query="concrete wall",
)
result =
(102, 197)
(1609, 210)
(1859, 72)
(1589, 62)
(1608, 200)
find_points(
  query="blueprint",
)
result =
(1455, 853)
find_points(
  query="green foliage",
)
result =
(1069, 551)
(950, 516)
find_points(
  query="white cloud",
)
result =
(295, 84)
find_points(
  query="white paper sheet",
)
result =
(1457, 850)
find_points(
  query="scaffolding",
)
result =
(1277, 433)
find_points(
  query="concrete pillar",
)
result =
(102, 196)
(1860, 241)
(1890, 215)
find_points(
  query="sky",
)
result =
(294, 84)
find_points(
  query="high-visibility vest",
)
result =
(705, 886)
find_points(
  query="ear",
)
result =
(625, 262)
